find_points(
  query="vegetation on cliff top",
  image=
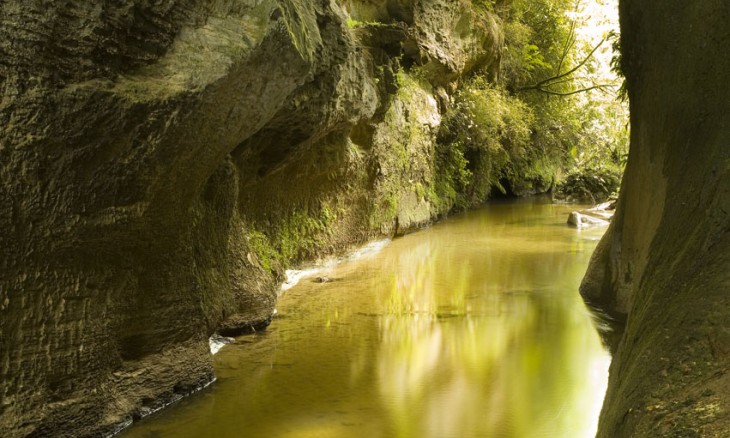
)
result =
(549, 120)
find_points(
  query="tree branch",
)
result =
(569, 42)
(549, 81)
(570, 93)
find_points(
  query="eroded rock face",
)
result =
(146, 147)
(666, 259)
(446, 37)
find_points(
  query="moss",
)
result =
(383, 211)
(299, 235)
(401, 149)
(267, 254)
(355, 24)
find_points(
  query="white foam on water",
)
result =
(293, 276)
(217, 342)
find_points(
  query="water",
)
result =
(473, 328)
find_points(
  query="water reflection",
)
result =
(473, 328)
(479, 340)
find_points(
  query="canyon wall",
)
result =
(665, 262)
(161, 163)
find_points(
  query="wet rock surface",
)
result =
(599, 215)
(580, 220)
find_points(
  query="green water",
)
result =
(473, 328)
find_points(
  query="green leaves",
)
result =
(533, 60)
(486, 136)
(496, 133)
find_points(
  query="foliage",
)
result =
(452, 177)
(536, 37)
(486, 136)
(502, 136)
(600, 153)
(593, 183)
(548, 51)
(619, 69)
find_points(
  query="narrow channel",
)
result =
(471, 328)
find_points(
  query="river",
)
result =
(471, 328)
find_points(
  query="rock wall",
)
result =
(665, 261)
(162, 162)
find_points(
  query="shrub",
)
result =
(486, 132)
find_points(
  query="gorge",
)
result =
(162, 163)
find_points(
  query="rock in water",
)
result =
(580, 220)
(217, 342)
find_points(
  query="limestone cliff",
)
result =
(666, 260)
(161, 162)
